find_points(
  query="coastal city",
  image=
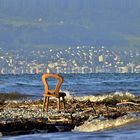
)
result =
(78, 59)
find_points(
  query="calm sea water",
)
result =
(78, 85)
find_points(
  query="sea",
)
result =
(80, 85)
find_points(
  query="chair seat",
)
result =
(61, 94)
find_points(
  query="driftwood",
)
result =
(128, 103)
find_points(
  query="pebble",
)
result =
(18, 113)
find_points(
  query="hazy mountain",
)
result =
(62, 23)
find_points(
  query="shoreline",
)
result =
(13, 96)
(18, 116)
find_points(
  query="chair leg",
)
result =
(47, 104)
(63, 103)
(59, 104)
(44, 102)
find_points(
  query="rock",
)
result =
(0, 134)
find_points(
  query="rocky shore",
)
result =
(21, 115)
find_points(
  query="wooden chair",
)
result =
(52, 93)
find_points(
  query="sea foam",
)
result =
(99, 98)
(101, 124)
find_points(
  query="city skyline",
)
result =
(82, 59)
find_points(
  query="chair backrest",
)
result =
(46, 86)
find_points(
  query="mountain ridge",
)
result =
(115, 24)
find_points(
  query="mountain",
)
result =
(62, 23)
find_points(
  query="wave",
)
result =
(100, 124)
(28, 84)
(99, 98)
(69, 95)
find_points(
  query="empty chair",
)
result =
(52, 93)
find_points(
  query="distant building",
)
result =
(137, 69)
(123, 69)
(101, 58)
